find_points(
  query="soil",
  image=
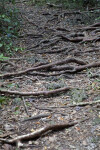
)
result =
(40, 35)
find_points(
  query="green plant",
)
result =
(78, 95)
(9, 26)
(2, 57)
(3, 100)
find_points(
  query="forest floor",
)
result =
(54, 81)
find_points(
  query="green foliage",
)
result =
(3, 100)
(2, 57)
(78, 95)
(68, 3)
(9, 25)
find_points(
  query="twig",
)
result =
(25, 106)
(37, 117)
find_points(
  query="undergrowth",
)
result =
(9, 27)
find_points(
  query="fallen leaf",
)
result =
(77, 128)
(37, 123)
(49, 116)
(32, 130)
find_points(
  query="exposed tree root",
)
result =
(45, 67)
(92, 27)
(87, 51)
(75, 40)
(72, 71)
(41, 93)
(59, 68)
(51, 43)
(89, 28)
(38, 133)
(80, 39)
(53, 51)
(7, 62)
(84, 103)
(95, 31)
(95, 24)
(62, 29)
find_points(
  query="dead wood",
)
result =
(41, 93)
(38, 133)
(45, 67)
(37, 117)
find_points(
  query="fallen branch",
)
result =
(44, 93)
(37, 117)
(38, 133)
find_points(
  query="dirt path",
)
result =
(61, 68)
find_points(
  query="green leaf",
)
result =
(1, 44)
